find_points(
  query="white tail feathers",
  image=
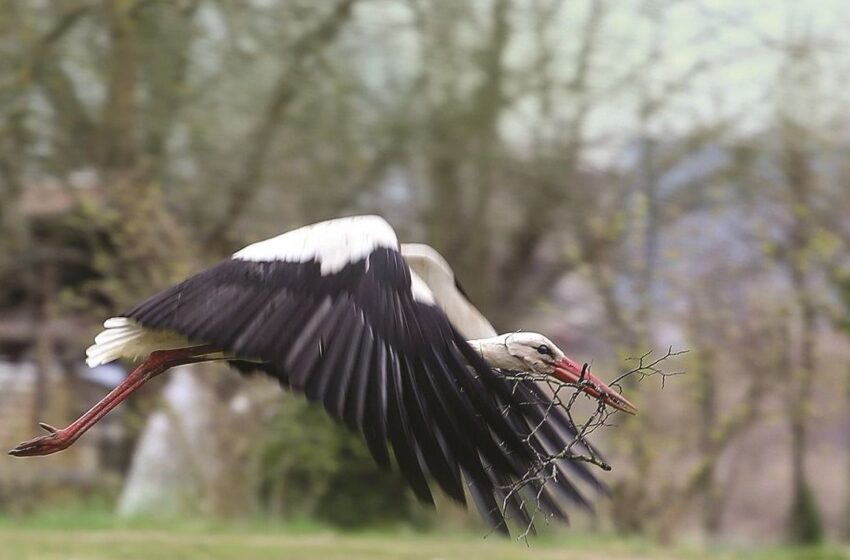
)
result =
(125, 338)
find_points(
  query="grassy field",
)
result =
(66, 537)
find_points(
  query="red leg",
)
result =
(157, 363)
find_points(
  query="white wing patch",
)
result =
(125, 338)
(334, 243)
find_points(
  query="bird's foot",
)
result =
(56, 440)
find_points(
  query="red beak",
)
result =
(570, 372)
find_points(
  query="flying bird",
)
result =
(382, 336)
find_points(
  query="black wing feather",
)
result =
(344, 345)
(398, 429)
(481, 489)
(425, 432)
(371, 412)
(351, 402)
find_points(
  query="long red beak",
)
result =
(569, 371)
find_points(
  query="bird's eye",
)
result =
(545, 350)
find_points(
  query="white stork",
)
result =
(381, 336)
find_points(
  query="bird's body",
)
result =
(334, 311)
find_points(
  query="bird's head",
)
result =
(533, 352)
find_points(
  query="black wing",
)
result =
(358, 342)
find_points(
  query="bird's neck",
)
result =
(495, 352)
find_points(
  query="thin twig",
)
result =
(528, 490)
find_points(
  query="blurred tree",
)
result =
(303, 53)
(798, 254)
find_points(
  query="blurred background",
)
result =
(623, 176)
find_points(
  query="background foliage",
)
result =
(623, 176)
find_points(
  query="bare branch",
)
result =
(562, 397)
(646, 368)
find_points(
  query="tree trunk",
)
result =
(846, 527)
(805, 524)
(118, 128)
(711, 510)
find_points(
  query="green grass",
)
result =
(97, 535)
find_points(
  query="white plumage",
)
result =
(124, 338)
(334, 243)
